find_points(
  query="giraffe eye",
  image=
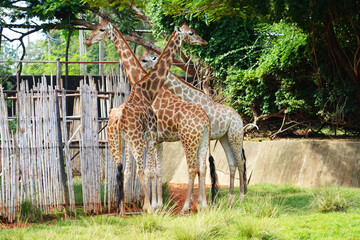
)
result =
(154, 58)
(191, 33)
(102, 30)
(144, 60)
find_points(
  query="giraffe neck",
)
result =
(155, 79)
(186, 91)
(133, 70)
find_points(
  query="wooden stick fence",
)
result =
(89, 151)
(32, 155)
(30, 166)
(9, 169)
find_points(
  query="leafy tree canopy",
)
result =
(298, 59)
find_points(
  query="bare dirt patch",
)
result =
(178, 194)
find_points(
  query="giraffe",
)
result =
(226, 123)
(177, 119)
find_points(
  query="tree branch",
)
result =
(341, 57)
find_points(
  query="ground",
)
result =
(176, 191)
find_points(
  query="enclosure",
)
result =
(290, 69)
(43, 147)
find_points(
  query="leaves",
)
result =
(275, 82)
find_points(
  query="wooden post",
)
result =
(58, 73)
(67, 59)
(61, 157)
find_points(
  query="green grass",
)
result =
(268, 212)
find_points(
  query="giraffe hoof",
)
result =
(185, 210)
(203, 206)
(154, 206)
(230, 200)
(242, 197)
(122, 213)
(148, 209)
(159, 206)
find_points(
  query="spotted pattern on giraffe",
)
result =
(175, 121)
(226, 123)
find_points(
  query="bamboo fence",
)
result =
(30, 158)
(9, 168)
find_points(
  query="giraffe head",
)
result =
(148, 61)
(188, 35)
(102, 31)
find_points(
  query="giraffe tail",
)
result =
(213, 175)
(244, 174)
(120, 185)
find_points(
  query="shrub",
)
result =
(257, 228)
(329, 199)
(29, 212)
(206, 224)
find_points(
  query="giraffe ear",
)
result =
(178, 29)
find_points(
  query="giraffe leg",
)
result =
(201, 154)
(236, 144)
(199, 190)
(127, 174)
(232, 166)
(137, 151)
(153, 192)
(190, 147)
(115, 141)
(151, 153)
(187, 204)
(150, 172)
(159, 174)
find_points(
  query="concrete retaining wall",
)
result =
(299, 162)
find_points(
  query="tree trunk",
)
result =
(339, 54)
(67, 59)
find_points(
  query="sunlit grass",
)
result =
(268, 212)
(329, 199)
(256, 228)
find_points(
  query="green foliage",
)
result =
(313, 70)
(56, 11)
(120, 5)
(207, 9)
(206, 224)
(231, 44)
(29, 212)
(39, 51)
(330, 199)
(281, 77)
(266, 206)
(127, 19)
(270, 54)
(160, 22)
(151, 222)
(255, 228)
(6, 69)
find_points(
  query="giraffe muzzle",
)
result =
(88, 42)
(204, 43)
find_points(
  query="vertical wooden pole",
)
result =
(67, 59)
(58, 73)
(101, 53)
(61, 157)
